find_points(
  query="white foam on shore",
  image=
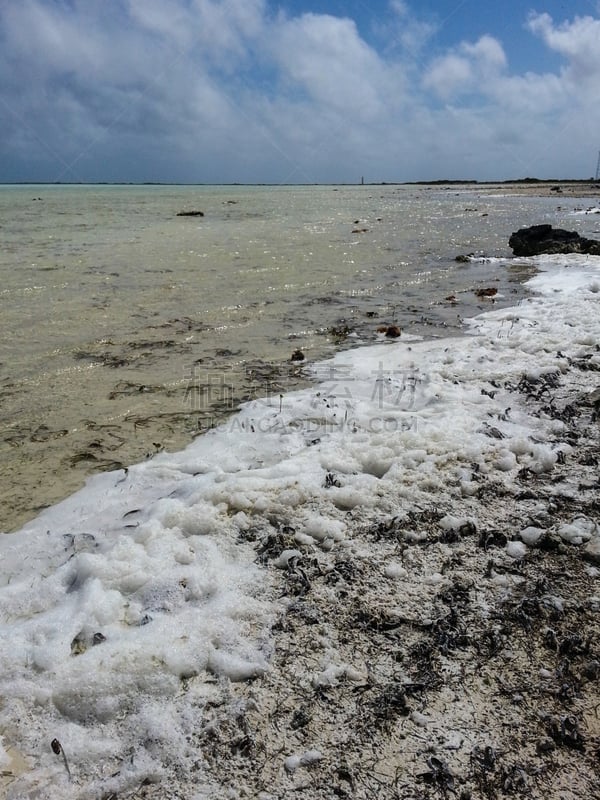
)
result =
(125, 609)
(583, 212)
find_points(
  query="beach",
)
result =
(379, 582)
(535, 188)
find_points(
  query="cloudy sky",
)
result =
(298, 91)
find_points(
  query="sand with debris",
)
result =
(534, 188)
(437, 662)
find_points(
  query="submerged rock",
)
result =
(390, 331)
(488, 292)
(539, 239)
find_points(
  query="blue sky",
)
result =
(304, 91)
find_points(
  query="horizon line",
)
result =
(433, 182)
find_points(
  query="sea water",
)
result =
(127, 329)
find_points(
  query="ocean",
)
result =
(283, 575)
(128, 329)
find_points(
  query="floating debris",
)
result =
(57, 749)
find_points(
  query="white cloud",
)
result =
(172, 22)
(411, 32)
(51, 39)
(488, 52)
(472, 67)
(218, 27)
(532, 95)
(578, 41)
(227, 26)
(449, 75)
(326, 57)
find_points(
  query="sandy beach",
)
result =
(570, 189)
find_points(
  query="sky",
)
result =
(303, 91)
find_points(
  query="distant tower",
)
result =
(598, 167)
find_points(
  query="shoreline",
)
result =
(128, 401)
(555, 189)
(445, 657)
(433, 629)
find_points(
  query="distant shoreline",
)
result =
(531, 187)
(526, 182)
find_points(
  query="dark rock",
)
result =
(391, 331)
(540, 239)
(190, 213)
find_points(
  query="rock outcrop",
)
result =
(540, 239)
